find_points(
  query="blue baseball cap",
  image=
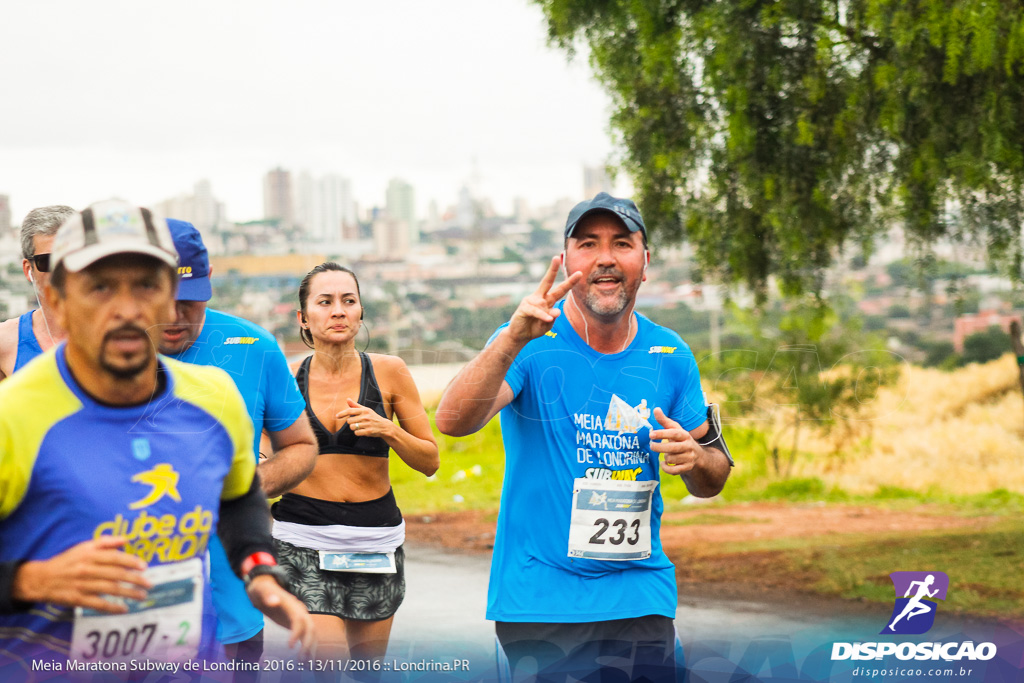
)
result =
(624, 209)
(193, 262)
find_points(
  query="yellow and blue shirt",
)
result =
(72, 469)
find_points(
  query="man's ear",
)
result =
(55, 303)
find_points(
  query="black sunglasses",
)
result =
(42, 262)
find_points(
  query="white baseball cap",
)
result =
(111, 227)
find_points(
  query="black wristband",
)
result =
(274, 570)
(8, 605)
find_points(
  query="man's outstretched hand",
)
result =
(536, 313)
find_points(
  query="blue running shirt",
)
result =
(253, 359)
(578, 413)
(28, 345)
(72, 469)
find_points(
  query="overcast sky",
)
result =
(142, 99)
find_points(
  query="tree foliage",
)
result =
(982, 347)
(773, 133)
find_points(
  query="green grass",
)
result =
(483, 451)
(984, 567)
(704, 518)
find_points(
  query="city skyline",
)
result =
(370, 92)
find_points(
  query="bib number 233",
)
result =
(611, 519)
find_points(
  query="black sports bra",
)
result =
(343, 440)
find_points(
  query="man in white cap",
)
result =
(103, 447)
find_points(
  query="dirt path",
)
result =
(694, 539)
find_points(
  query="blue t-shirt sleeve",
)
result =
(688, 409)
(284, 402)
(516, 374)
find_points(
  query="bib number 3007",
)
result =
(611, 519)
(166, 625)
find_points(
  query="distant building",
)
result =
(323, 206)
(466, 209)
(208, 211)
(5, 214)
(433, 216)
(595, 180)
(304, 206)
(520, 210)
(277, 198)
(337, 208)
(966, 325)
(390, 237)
(200, 208)
(401, 205)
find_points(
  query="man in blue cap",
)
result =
(591, 396)
(255, 362)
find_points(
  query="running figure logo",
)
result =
(626, 419)
(164, 481)
(914, 613)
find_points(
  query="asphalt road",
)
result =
(442, 619)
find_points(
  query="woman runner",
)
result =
(339, 533)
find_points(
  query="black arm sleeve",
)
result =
(8, 605)
(244, 526)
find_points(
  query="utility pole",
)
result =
(1018, 350)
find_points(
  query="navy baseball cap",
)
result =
(624, 209)
(193, 262)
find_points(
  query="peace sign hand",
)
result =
(536, 313)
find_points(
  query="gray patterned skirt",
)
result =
(349, 595)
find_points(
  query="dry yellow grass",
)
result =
(962, 432)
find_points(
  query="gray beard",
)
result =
(595, 303)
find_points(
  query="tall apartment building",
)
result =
(278, 203)
(323, 206)
(5, 214)
(595, 180)
(401, 205)
(390, 236)
(200, 208)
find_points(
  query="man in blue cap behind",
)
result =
(255, 362)
(591, 396)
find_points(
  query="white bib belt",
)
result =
(341, 538)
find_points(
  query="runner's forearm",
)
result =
(419, 454)
(709, 474)
(287, 468)
(244, 526)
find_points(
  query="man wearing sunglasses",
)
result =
(25, 337)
